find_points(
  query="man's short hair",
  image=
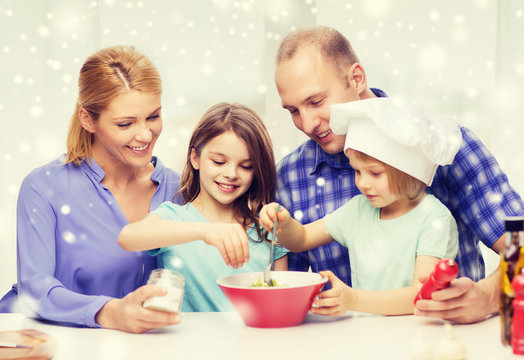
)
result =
(334, 47)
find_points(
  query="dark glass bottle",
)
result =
(511, 264)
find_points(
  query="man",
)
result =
(316, 68)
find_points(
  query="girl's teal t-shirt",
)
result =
(202, 264)
(382, 253)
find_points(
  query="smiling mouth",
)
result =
(138, 148)
(227, 186)
(324, 134)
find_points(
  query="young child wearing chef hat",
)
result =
(394, 231)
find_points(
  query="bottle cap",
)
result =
(515, 223)
(518, 285)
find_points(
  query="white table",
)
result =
(224, 336)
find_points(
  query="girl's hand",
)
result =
(334, 301)
(127, 314)
(268, 215)
(231, 241)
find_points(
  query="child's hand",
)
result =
(334, 301)
(268, 215)
(232, 242)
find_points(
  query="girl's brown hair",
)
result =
(248, 126)
(105, 75)
(400, 183)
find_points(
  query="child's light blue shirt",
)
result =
(382, 252)
(202, 264)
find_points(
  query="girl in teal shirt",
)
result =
(228, 176)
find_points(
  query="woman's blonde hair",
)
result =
(400, 183)
(105, 75)
(248, 126)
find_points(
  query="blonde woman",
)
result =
(71, 269)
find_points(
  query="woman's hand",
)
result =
(231, 241)
(127, 314)
(335, 301)
(268, 216)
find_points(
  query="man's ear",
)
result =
(86, 120)
(357, 78)
(195, 159)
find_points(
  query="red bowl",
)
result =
(272, 307)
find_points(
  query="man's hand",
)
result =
(465, 301)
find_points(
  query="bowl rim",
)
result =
(321, 280)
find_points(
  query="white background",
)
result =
(462, 58)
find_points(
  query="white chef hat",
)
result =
(404, 136)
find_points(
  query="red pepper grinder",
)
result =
(517, 325)
(445, 271)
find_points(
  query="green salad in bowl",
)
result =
(261, 283)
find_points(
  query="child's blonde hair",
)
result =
(400, 183)
(248, 126)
